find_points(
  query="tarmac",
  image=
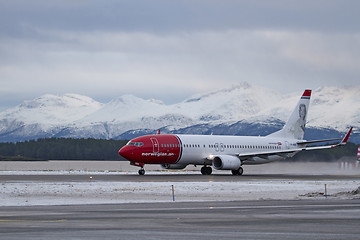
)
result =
(166, 177)
(305, 219)
(322, 218)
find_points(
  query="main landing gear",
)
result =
(206, 170)
(239, 171)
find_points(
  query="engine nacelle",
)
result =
(226, 162)
(173, 166)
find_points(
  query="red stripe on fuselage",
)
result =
(153, 149)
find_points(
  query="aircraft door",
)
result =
(221, 147)
(155, 144)
(216, 147)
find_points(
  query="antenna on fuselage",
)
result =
(158, 132)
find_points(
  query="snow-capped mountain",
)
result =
(44, 116)
(53, 110)
(240, 109)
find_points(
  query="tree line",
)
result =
(62, 149)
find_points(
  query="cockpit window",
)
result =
(137, 144)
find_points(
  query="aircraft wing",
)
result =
(281, 153)
(286, 152)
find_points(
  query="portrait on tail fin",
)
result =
(302, 116)
(298, 129)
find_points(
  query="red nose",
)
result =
(126, 152)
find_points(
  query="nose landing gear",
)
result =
(141, 171)
(141, 165)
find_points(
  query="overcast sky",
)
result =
(172, 49)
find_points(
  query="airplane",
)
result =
(176, 151)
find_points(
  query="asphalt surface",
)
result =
(305, 219)
(165, 177)
(261, 219)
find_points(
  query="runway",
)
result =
(166, 177)
(124, 205)
(326, 219)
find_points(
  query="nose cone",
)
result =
(126, 152)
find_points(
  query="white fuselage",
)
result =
(198, 149)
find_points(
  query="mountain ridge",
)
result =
(244, 105)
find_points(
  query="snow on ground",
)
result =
(93, 191)
(22, 193)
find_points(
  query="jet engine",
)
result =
(226, 162)
(173, 166)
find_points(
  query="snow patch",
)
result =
(23, 193)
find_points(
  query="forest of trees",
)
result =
(62, 149)
(100, 149)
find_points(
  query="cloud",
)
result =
(172, 49)
(180, 15)
(191, 61)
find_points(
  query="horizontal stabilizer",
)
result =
(318, 141)
(343, 140)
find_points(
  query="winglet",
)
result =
(346, 138)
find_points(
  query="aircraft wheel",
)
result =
(206, 170)
(203, 170)
(239, 171)
(142, 171)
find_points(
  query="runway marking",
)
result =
(25, 220)
(238, 207)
